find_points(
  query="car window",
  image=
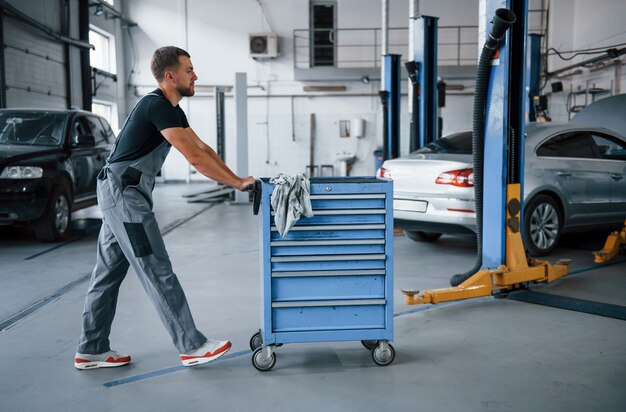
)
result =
(457, 143)
(576, 144)
(610, 147)
(109, 131)
(97, 130)
(79, 128)
(31, 128)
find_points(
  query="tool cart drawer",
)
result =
(333, 271)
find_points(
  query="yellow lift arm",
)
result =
(614, 245)
(517, 270)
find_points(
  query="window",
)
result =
(103, 57)
(610, 147)
(107, 110)
(576, 144)
(322, 33)
(97, 130)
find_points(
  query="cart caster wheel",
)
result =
(383, 357)
(256, 341)
(261, 362)
(369, 344)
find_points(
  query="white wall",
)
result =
(583, 24)
(216, 35)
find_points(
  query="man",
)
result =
(130, 234)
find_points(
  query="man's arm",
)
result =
(209, 150)
(205, 162)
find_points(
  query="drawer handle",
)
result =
(325, 303)
(307, 274)
(326, 258)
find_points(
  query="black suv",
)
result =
(49, 162)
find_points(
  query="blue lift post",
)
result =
(390, 98)
(424, 128)
(503, 263)
(504, 130)
(533, 73)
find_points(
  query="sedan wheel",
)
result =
(542, 227)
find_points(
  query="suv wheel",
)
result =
(542, 225)
(54, 224)
(420, 236)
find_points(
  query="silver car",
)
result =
(574, 179)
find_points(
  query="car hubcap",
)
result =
(62, 214)
(544, 226)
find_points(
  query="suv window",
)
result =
(577, 144)
(79, 128)
(109, 131)
(610, 147)
(98, 131)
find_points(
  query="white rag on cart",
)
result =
(290, 199)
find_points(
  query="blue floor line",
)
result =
(421, 308)
(166, 371)
(173, 369)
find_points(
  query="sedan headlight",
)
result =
(22, 172)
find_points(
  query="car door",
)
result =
(102, 148)
(82, 160)
(613, 152)
(576, 166)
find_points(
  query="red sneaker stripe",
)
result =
(209, 354)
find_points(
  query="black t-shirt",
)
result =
(141, 133)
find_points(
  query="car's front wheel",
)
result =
(542, 225)
(54, 224)
(420, 236)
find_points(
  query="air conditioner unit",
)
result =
(263, 45)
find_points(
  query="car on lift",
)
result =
(49, 162)
(574, 180)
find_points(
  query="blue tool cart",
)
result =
(331, 277)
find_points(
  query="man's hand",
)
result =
(247, 184)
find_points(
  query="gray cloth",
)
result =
(130, 236)
(290, 199)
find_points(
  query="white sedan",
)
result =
(574, 179)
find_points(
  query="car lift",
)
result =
(500, 99)
(615, 244)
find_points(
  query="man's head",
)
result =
(171, 67)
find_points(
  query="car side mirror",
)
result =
(84, 140)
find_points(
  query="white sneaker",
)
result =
(211, 350)
(110, 359)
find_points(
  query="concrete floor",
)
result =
(478, 355)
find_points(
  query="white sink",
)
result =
(344, 160)
(346, 157)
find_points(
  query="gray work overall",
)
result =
(130, 236)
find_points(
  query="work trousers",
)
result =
(130, 236)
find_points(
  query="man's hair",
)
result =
(165, 58)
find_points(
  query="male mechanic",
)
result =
(130, 234)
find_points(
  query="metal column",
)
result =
(424, 128)
(85, 59)
(533, 67)
(504, 130)
(241, 115)
(219, 121)
(3, 89)
(390, 97)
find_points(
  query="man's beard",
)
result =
(185, 91)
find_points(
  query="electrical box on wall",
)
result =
(263, 45)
